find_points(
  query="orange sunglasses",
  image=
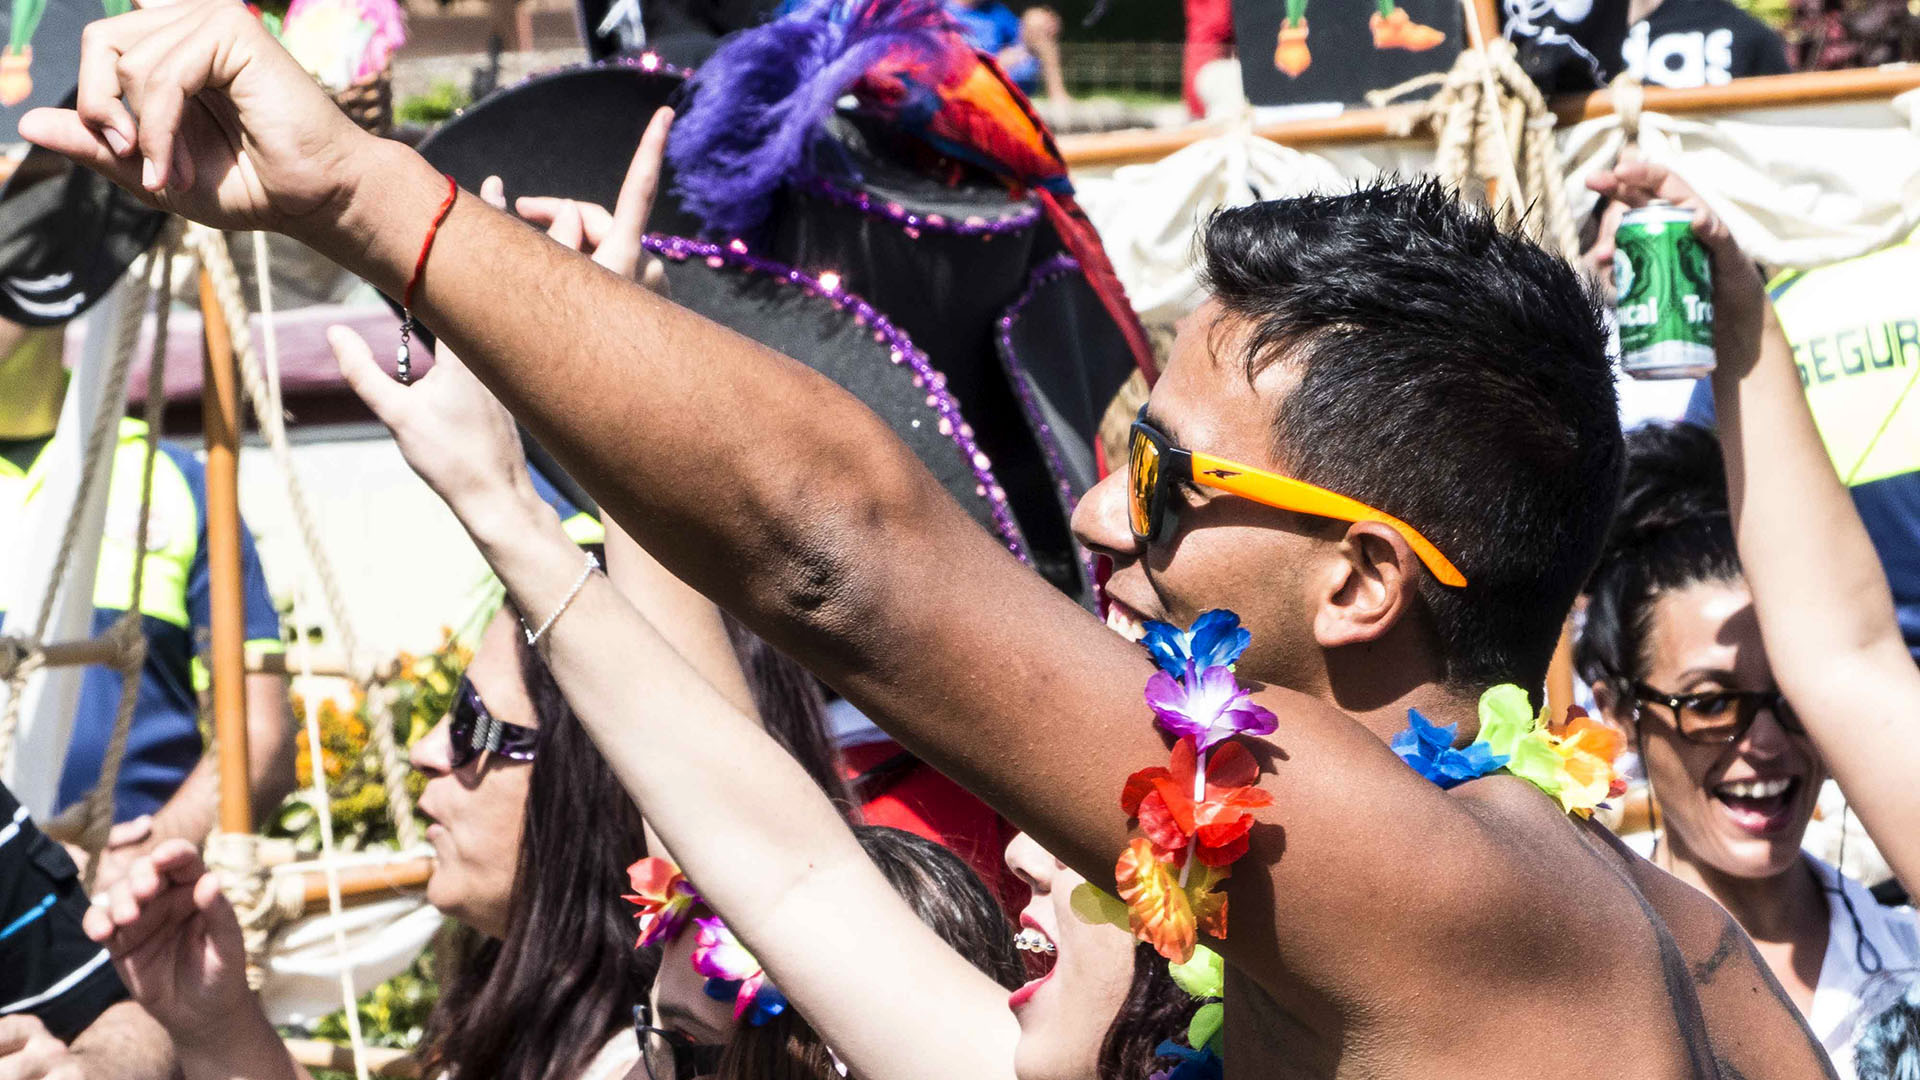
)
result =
(1155, 465)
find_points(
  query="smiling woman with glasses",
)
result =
(1673, 649)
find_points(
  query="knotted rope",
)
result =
(1491, 124)
(263, 903)
(211, 247)
(92, 819)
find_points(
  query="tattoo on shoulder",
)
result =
(1705, 970)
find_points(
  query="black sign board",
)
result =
(1296, 52)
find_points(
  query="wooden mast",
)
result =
(226, 653)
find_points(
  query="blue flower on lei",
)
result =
(1216, 640)
(764, 1003)
(1188, 1064)
(1428, 748)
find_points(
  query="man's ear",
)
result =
(1369, 586)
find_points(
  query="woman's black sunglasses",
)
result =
(669, 1055)
(1720, 716)
(472, 731)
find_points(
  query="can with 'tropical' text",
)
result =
(1663, 285)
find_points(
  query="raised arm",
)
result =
(764, 845)
(1832, 640)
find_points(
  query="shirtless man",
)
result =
(1383, 343)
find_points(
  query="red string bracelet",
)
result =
(404, 363)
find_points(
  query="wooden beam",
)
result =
(367, 884)
(381, 1061)
(322, 661)
(1107, 149)
(226, 658)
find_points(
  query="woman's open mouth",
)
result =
(1759, 807)
(1041, 956)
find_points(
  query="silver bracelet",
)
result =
(533, 636)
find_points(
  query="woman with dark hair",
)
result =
(1692, 649)
(532, 834)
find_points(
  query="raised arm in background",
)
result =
(1831, 636)
(766, 847)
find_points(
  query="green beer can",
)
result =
(1663, 286)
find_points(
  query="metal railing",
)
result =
(1144, 67)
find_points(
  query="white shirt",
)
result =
(1865, 970)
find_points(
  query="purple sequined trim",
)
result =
(901, 351)
(913, 223)
(1058, 266)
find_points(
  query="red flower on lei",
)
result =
(665, 899)
(1215, 825)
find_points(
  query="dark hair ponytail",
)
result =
(1156, 1010)
(1673, 528)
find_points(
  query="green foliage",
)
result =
(425, 691)
(393, 1014)
(439, 103)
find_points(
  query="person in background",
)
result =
(1209, 38)
(167, 786)
(1738, 674)
(64, 1014)
(1687, 43)
(1026, 45)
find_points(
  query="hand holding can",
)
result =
(1664, 289)
(1736, 298)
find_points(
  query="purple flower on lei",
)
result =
(734, 975)
(1210, 706)
(1189, 1064)
(1428, 749)
(1216, 640)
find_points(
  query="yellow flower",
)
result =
(1586, 749)
(1160, 911)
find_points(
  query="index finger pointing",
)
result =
(642, 182)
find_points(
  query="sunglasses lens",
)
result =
(461, 723)
(1143, 484)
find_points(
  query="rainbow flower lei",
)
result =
(1195, 811)
(1572, 761)
(667, 902)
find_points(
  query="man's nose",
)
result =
(1100, 522)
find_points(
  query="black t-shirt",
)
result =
(1689, 43)
(48, 967)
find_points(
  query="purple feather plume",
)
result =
(757, 103)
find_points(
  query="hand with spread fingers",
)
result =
(195, 107)
(1741, 309)
(449, 426)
